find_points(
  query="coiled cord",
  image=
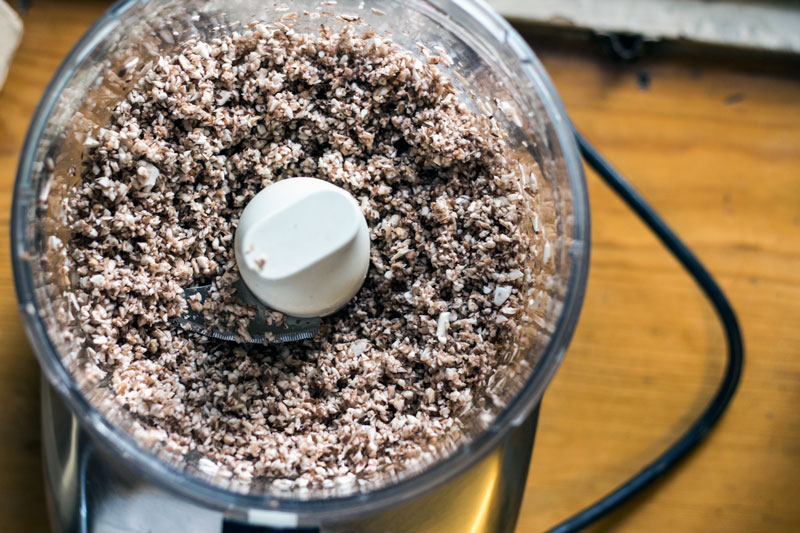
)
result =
(700, 429)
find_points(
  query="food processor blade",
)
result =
(296, 329)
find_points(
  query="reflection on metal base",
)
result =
(89, 491)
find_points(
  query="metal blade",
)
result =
(296, 329)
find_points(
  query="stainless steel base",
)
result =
(90, 491)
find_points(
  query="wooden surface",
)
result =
(716, 149)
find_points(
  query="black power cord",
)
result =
(700, 429)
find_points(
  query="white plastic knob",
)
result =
(302, 247)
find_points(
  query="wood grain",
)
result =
(715, 149)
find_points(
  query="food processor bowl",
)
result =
(495, 73)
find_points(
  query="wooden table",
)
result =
(716, 148)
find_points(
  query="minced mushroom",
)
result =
(164, 183)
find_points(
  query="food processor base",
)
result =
(89, 491)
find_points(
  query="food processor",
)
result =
(99, 478)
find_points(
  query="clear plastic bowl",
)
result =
(492, 62)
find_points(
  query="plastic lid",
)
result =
(302, 247)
